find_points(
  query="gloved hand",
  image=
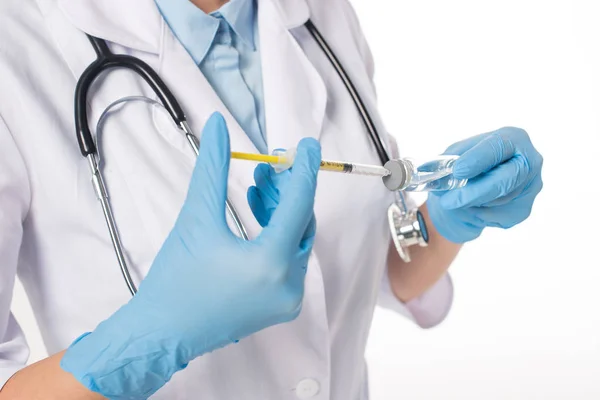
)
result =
(206, 288)
(504, 172)
(265, 196)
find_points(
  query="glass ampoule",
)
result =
(413, 175)
(432, 175)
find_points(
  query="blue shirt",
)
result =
(225, 45)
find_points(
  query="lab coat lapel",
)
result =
(199, 102)
(143, 213)
(194, 92)
(295, 95)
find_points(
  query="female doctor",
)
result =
(285, 315)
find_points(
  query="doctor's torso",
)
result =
(66, 261)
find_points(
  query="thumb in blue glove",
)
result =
(505, 176)
(206, 288)
(266, 195)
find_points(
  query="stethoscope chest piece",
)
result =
(408, 228)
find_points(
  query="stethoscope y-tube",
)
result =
(106, 60)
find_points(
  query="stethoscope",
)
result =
(408, 227)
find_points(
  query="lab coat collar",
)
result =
(295, 94)
(137, 23)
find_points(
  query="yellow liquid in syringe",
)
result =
(284, 162)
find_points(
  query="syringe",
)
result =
(283, 160)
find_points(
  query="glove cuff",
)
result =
(114, 362)
(449, 223)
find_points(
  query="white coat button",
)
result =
(307, 388)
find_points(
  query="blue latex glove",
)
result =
(504, 172)
(206, 288)
(265, 196)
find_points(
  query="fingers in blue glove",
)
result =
(295, 211)
(208, 185)
(510, 214)
(497, 183)
(265, 197)
(504, 172)
(499, 168)
(483, 156)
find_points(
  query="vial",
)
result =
(412, 175)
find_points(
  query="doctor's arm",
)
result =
(46, 380)
(505, 176)
(428, 265)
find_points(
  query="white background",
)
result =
(526, 317)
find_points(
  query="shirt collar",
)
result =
(196, 30)
(241, 16)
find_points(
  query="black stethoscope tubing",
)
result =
(107, 60)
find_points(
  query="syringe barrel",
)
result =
(287, 158)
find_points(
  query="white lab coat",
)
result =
(52, 231)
